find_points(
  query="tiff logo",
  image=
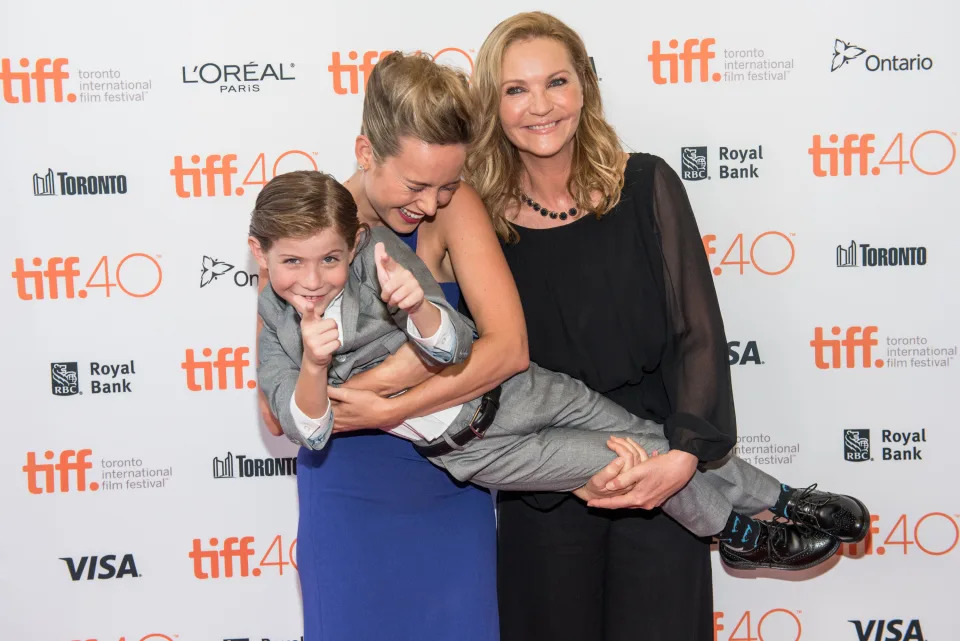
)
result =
(228, 358)
(856, 445)
(58, 269)
(42, 73)
(854, 145)
(857, 338)
(216, 169)
(847, 256)
(696, 55)
(353, 72)
(233, 548)
(72, 463)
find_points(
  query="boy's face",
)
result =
(302, 270)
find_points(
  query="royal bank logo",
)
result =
(694, 162)
(64, 379)
(856, 445)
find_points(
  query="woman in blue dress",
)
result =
(389, 546)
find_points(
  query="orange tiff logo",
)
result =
(695, 57)
(932, 152)
(781, 625)
(31, 86)
(213, 175)
(836, 353)
(228, 359)
(42, 477)
(932, 534)
(137, 275)
(347, 75)
(234, 557)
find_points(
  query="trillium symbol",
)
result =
(211, 269)
(844, 52)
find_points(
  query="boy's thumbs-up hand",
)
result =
(398, 287)
(320, 335)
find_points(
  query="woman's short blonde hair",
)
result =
(411, 95)
(493, 165)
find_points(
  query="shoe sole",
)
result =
(862, 534)
(750, 565)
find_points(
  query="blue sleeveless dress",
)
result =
(390, 546)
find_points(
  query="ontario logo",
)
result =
(211, 269)
(844, 53)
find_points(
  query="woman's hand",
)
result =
(357, 409)
(651, 482)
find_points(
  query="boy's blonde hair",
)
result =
(411, 95)
(301, 203)
(493, 165)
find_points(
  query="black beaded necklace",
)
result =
(562, 215)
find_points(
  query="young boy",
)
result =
(342, 298)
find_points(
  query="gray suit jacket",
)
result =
(369, 332)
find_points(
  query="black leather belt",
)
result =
(482, 419)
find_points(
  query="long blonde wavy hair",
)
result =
(493, 164)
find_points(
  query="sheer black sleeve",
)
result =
(696, 371)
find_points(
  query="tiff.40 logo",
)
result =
(132, 276)
(234, 556)
(355, 73)
(31, 86)
(214, 175)
(931, 152)
(933, 534)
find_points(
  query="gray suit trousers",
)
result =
(550, 434)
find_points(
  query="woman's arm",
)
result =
(696, 371)
(464, 231)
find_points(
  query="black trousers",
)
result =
(573, 573)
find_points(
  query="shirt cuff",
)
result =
(314, 431)
(443, 344)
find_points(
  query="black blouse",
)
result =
(627, 305)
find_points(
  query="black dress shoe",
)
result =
(782, 546)
(844, 517)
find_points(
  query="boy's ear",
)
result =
(364, 152)
(258, 252)
(358, 242)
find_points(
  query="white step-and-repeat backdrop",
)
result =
(143, 501)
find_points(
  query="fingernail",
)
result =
(610, 486)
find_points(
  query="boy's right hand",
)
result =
(319, 336)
